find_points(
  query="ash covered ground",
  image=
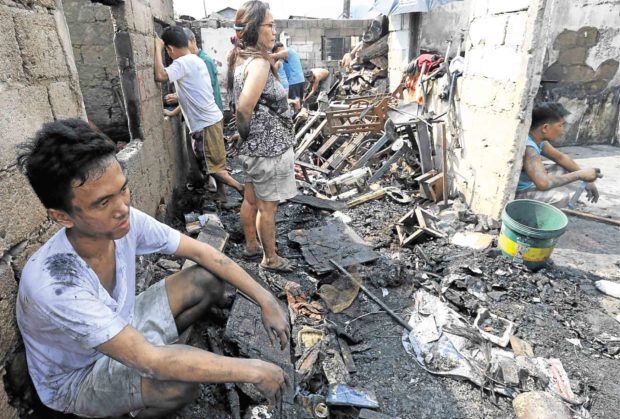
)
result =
(548, 307)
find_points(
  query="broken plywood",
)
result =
(319, 203)
(245, 328)
(335, 241)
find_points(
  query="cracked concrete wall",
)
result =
(39, 79)
(39, 83)
(92, 32)
(581, 66)
(442, 24)
(582, 60)
(154, 159)
(503, 63)
(401, 45)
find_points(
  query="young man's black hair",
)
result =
(277, 46)
(60, 153)
(174, 36)
(547, 113)
(308, 74)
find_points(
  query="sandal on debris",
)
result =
(285, 265)
(253, 254)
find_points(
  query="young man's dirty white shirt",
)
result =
(64, 312)
(191, 78)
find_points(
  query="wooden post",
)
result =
(346, 9)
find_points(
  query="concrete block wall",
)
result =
(583, 58)
(441, 24)
(92, 33)
(39, 78)
(503, 65)
(39, 83)
(400, 45)
(306, 36)
(155, 157)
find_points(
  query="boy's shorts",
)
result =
(113, 389)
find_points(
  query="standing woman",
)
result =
(266, 130)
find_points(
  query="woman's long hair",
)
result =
(248, 21)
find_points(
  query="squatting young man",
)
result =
(556, 183)
(95, 349)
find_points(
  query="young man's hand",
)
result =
(171, 99)
(159, 44)
(276, 323)
(591, 174)
(592, 193)
(272, 382)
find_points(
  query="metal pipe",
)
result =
(444, 163)
(372, 296)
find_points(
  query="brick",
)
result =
(478, 91)
(143, 49)
(162, 9)
(539, 405)
(515, 31)
(98, 55)
(30, 108)
(86, 12)
(15, 198)
(102, 13)
(505, 98)
(66, 103)
(488, 30)
(479, 8)
(501, 63)
(8, 411)
(40, 46)
(99, 33)
(8, 325)
(11, 63)
(48, 4)
(142, 17)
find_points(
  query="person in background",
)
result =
(319, 80)
(279, 47)
(556, 183)
(266, 133)
(197, 144)
(294, 73)
(195, 94)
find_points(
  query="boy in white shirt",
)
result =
(193, 85)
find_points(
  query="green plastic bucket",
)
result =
(530, 230)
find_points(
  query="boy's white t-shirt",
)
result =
(64, 313)
(193, 84)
